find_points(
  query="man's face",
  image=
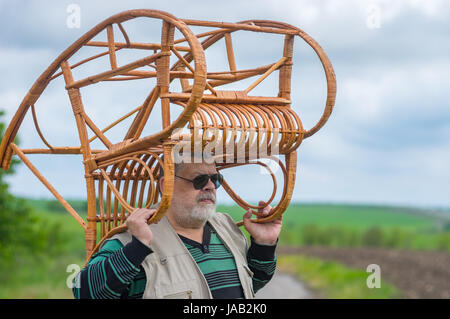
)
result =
(192, 207)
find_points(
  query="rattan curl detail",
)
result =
(236, 127)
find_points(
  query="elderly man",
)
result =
(193, 252)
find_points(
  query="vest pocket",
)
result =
(179, 290)
(180, 295)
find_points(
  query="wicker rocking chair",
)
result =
(123, 174)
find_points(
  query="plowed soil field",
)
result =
(417, 274)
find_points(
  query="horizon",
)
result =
(305, 203)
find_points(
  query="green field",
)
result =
(357, 225)
(44, 275)
(352, 216)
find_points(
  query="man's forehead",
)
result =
(198, 168)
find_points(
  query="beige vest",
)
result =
(171, 270)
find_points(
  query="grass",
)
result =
(44, 276)
(40, 278)
(332, 280)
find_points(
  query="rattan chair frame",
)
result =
(125, 174)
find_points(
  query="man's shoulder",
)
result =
(124, 238)
(227, 228)
(223, 217)
(224, 220)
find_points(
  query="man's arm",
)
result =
(262, 261)
(111, 271)
(261, 256)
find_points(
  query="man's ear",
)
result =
(161, 184)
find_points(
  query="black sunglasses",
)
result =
(200, 181)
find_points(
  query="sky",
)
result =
(386, 142)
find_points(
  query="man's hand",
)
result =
(138, 227)
(263, 233)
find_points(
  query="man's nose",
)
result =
(209, 186)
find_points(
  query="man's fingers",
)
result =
(265, 210)
(149, 212)
(247, 219)
(263, 204)
(141, 214)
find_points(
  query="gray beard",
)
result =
(193, 217)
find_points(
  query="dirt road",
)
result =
(284, 286)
